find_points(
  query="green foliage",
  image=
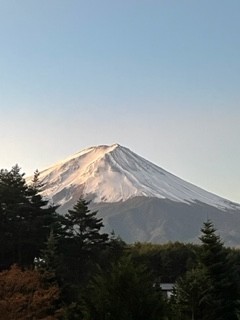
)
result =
(49, 254)
(80, 246)
(102, 278)
(167, 261)
(124, 293)
(223, 288)
(211, 290)
(112, 252)
(25, 218)
(83, 226)
(190, 294)
(49, 262)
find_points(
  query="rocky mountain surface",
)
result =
(137, 199)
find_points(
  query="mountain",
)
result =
(137, 199)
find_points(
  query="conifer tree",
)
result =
(82, 241)
(25, 218)
(49, 261)
(222, 290)
(211, 290)
(82, 225)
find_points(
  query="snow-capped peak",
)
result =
(114, 173)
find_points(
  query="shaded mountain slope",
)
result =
(137, 199)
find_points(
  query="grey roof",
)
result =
(167, 286)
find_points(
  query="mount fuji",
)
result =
(137, 199)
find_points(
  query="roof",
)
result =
(167, 286)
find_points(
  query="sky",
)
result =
(161, 77)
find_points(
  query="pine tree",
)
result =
(82, 242)
(25, 218)
(82, 225)
(49, 261)
(222, 291)
(211, 290)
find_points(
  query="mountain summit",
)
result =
(137, 199)
(115, 173)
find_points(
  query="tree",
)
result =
(81, 244)
(49, 262)
(223, 293)
(167, 261)
(190, 295)
(13, 195)
(25, 218)
(211, 290)
(24, 295)
(124, 293)
(82, 225)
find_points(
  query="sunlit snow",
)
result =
(114, 173)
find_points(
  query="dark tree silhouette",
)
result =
(25, 218)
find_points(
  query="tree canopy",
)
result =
(25, 218)
(24, 295)
(96, 276)
(210, 291)
(126, 292)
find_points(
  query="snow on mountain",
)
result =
(115, 173)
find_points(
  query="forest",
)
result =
(56, 266)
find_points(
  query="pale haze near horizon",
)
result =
(159, 77)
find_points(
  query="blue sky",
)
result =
(160, 77)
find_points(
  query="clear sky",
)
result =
(160, 77)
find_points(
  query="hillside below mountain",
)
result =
(137, 199)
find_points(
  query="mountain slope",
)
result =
(137, 199)
(114, 173)
(161, 220)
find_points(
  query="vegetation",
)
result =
(126, 292)
(65, 267)
(25, 219)
(26, 295)
(211, 289)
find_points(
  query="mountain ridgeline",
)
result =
(137, 199)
